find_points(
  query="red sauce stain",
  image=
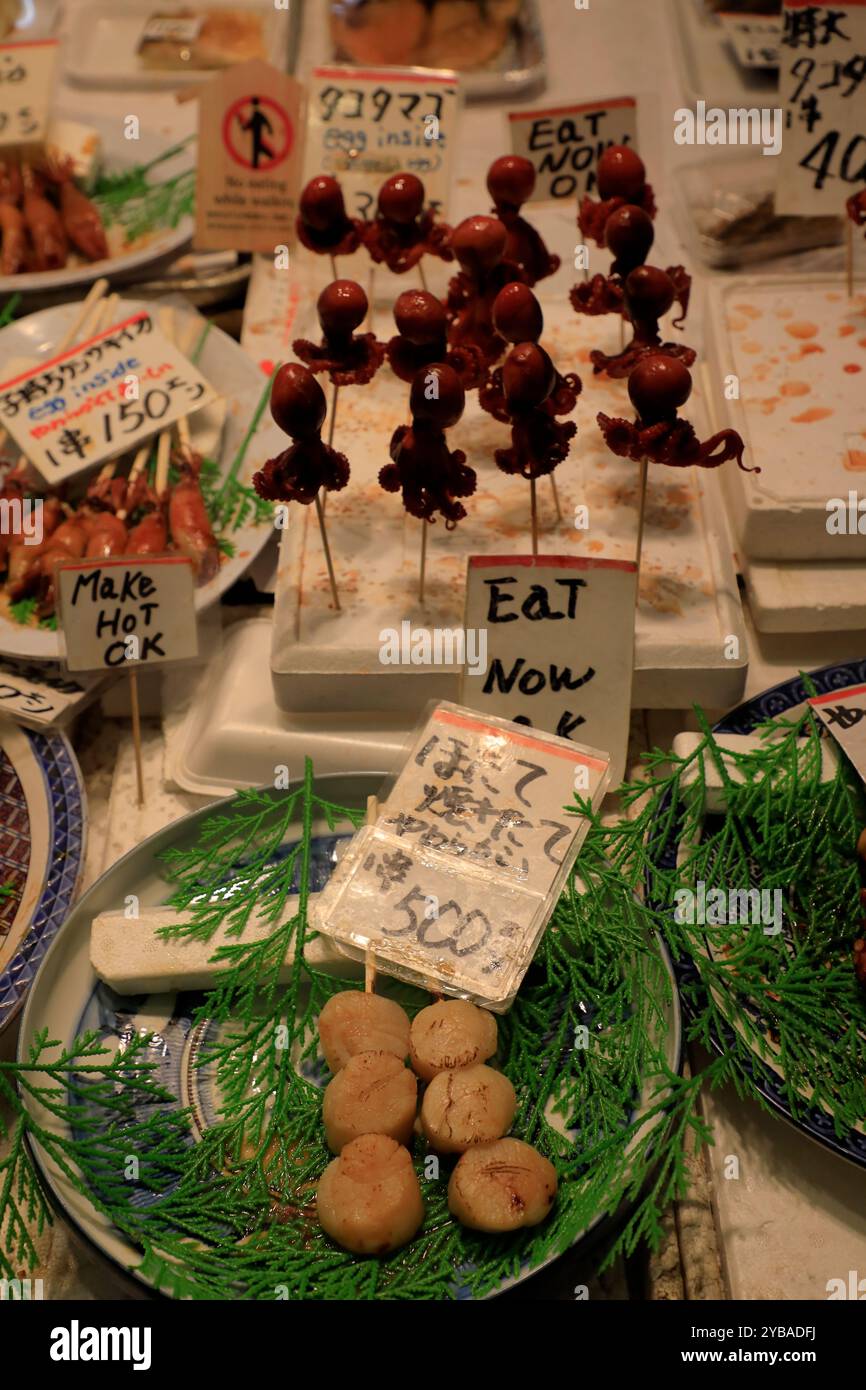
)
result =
(802, 329)
(808, 348)
(768, 404)
(751, 347)
(846, 330)
(749, 310)
(808, 417)
(861, 342)
(595, 546)
(855, 460)
(852, 367)
(795, 388)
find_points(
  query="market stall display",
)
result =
(375, 989)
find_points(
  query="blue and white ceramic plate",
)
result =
(67, 998)
(42, 835)
(766, 1072)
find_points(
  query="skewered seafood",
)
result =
(352, 1022)
(449, 1034)
(374, 1093)
(470, 1106)
(369, 1199)
(44, 214)
(502, 1186)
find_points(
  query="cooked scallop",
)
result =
(466, 1107)
(352, 1022)
(502, 1186)
(374, 1093)
(369, 1199)
(450, 1034)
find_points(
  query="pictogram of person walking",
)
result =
(256, 124)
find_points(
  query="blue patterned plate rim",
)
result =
(743, 719)
(67, 839)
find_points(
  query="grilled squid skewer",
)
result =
(82, 223)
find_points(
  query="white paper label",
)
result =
(843, 712)
(564, 144)
(559, 637)
(822, 85)
(42, 695)
(162, 28)
(118, 611)
(755, 38)
(363, 126)
(27, 78)
(101, 398)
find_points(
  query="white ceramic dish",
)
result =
(217, 430)
(160, 245)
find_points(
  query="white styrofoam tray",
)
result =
(798, 349)
(689, 602)
(806, 598)
(224, 731)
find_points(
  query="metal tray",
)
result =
(519, 67)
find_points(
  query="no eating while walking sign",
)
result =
(249, 160)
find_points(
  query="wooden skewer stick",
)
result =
(136, 732)
(331, 426)
(556, 503)
(423, 276)
(369, 958)
(185, 340)
(849, 256)
(163, 456)
(333, 267)
(74, 331)
(533, 503)
(81, 325)
(327, 549)
(422, 574)
(138, 465)
(641, 514)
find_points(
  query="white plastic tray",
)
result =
(102, 40)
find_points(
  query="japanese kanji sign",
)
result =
(250, 145)
(560, 645)
(753, 37)
(363, 126)
(126, 611)
(564, 144)
(27, 75)
(101, 398)
(454, 883)
(822, 84)
(843, 712)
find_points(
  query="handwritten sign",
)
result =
(249, 159)
(100, 398)
(564, 144)
(43, 695)
(755, 38)
(453, 885)
(843, 712)
(560, 645)
(822, 85)
(27, 84)
(115, 612)
(363, 126)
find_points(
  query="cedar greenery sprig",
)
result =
(233, 1214)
